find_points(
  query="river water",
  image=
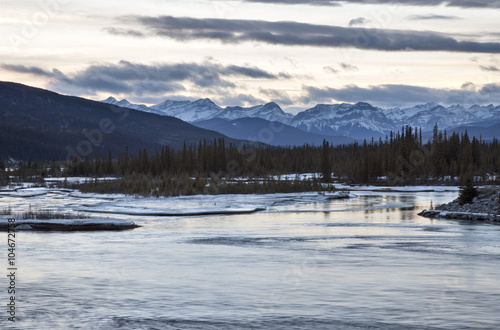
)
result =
(363, 263)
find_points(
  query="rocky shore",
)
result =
(483, 208)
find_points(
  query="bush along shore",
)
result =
(484, 207)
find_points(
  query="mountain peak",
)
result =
(364, 105)
(126, 104)
(205, 102)
(272, 106)
(431, 105)
(110, 99)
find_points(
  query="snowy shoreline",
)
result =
(460, 215)
(201, 205)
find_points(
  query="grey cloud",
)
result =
(330, 69)
(233, 31)
(277, 96)
(468, 86)
(238, 100)
(397, 95)
(250, 72)
(343, 66)
(433, 17)
(449, 3)
(124, 32)
(156, 99)
(490, 68)
(358, 21)
(31, 70)
(348, 67)
(146, 80)
(491, 89)
(375, 94)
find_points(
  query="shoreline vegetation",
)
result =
(148, 186)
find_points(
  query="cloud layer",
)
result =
(140, 80)
(449, 3)
(235, 31)
(395, 95)
(154, 82)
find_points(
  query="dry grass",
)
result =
(50, 215)
(6, 210)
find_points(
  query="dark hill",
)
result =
(39, 124)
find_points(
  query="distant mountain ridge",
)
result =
(268, 132)
(205, 109)
(357, 121)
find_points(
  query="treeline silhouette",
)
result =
(402, 158)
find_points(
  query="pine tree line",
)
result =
(399, 159)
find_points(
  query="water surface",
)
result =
(363, 263)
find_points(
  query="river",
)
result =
(362, 263)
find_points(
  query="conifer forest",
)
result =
(211, 167)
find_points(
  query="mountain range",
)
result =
(356, 121)
(40, 124)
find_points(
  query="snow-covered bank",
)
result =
(90, 224)
(25, 192)
(201, 204)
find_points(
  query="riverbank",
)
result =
(86, 224)
(483, 208)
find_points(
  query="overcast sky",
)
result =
(297, 53)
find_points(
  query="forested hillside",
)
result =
(37, 124)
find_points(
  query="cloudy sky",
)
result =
(297, 53)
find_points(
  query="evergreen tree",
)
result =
(220, 152)
(326, 170)
(467, 190)
(4, 177)
(498, 206)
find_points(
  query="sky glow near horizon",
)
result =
(296, 53)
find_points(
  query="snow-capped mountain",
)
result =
(205, 109)
(362, 119)
(427, 115)
(270, 111)
(359, 121)
(126, 104)
(202, 109)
